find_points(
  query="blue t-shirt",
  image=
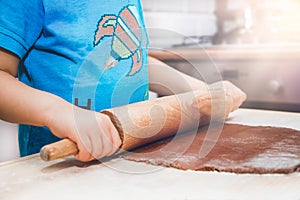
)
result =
(91, 53)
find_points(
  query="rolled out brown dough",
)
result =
(239, 149)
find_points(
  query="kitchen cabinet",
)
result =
(268, 74)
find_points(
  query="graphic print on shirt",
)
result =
(126, 35)
(115, 71)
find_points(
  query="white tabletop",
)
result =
(31, 178)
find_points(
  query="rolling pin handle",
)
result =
(60, 149)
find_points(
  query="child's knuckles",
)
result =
(103, 119)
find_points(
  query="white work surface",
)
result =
(31, 178)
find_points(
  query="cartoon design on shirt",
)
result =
(126, 37)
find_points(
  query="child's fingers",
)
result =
(236, 93)
(110, 136)
(83, 154)
(116, 140)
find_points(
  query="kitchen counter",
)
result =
(229, 52)
(31, 178)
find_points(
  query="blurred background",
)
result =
(224, 21)
(253, 43)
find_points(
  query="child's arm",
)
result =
(22, 104)
(165, 80)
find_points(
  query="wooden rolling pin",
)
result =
(148, 121)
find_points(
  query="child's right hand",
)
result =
(94, 133)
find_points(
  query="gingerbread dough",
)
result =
(239, 149)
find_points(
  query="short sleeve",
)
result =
(21, 23)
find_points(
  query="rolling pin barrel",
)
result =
(148, 121)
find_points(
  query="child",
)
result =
(90, 54)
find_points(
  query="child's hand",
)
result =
(238, 96)
(94, 133)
